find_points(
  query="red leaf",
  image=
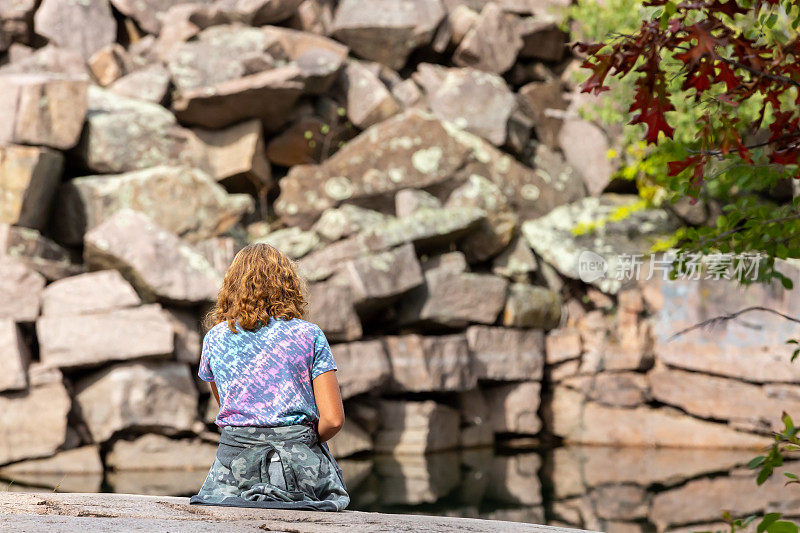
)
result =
(790, 156)
(651, 102)
(676, 167)
(727, 75)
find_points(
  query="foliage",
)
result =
(714, 89)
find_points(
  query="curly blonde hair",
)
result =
(260, 283)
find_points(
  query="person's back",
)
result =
(272, 374)
(264, 377)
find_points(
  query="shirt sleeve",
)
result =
(323, 358)
(204, 371)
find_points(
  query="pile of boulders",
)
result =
(424, 163)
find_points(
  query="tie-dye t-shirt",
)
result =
(264, 376)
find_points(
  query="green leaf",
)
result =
(756, 462)
(790, 475)
(782, 527)
(767, 521)
(764, 475)
(787, 420)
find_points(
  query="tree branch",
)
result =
(711, 322)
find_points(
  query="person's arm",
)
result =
(329, 404)
(214, 391)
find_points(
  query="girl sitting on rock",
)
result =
(273, 376)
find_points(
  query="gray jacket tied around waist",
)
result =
(273, 468)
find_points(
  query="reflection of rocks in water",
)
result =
(53, 482)
(355, 471)
(514, 479)
(415, 479)
(8, 486)
(158, 483)
(701, 500)
(476, 477)
(637, 489)
(575, 468)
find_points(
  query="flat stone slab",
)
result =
(21, 511)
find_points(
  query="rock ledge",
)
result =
(129, 512)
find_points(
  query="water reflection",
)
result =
(621, 490)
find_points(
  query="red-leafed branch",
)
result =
(716, 59)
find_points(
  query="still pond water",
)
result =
(597, 488)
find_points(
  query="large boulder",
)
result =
(542, 39)
(160, 396)
(93, 292)
(516, 262)
(34, 423)
(123, 134)
(363, 366)
(350, 440)
(15, 18)
(544, 103)
(44, 109)
(492, 42)
(50, 60)
(577, 420)
(31, 176)
(367, 100)
(415, 150)
(294, 242)
(506, 354)
(494, 233)
(267, 95)
(85, 27)
(150, 83)
(188, 340)
(427, 228)
(157, 452)
(453, 297)
(609, 226)
(20, 291)
(331, 307)
(318, 58)
(149, 13)
(616, 389)
(158, 263)
(513, 407)
(743, 405)
(562, 344)
(231, 72)
(322, 263)
(429, 363)
(183, 200)
(377, 279)
(91, 339)
(386, 31)
(752, 348)
(235, 157)
(586, 148)
(347, 220)
(258, 12)
(416, 427)
(475, 101)
(31, 248)
(14, 357)
(530, 306)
